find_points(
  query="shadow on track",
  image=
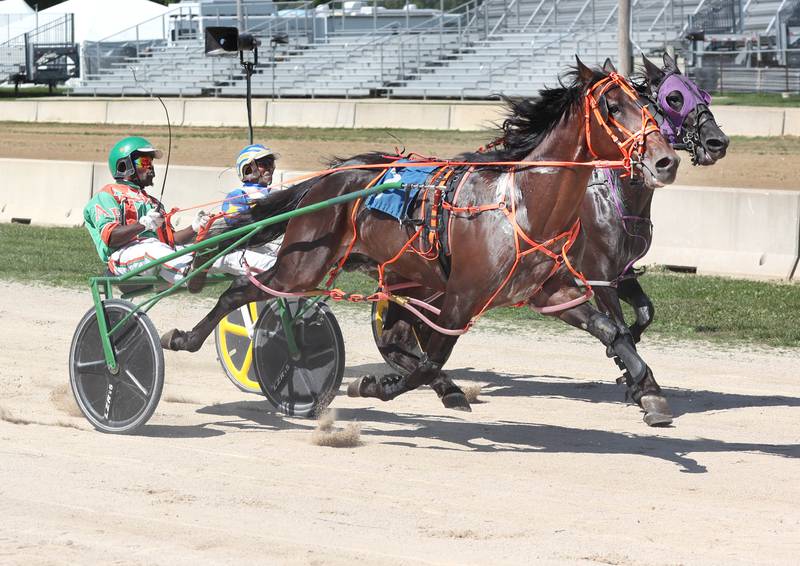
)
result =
(509, 436)
(682, 401)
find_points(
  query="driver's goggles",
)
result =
(143, 162)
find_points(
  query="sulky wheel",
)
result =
(400, 338)
(118, 402)
(234, 339)
(300, 379)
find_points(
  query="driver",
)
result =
(255, 166)
(128, 226)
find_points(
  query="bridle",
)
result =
(694, 100)
(632, 147)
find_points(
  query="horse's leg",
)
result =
(455, 314)
(642, 386)
(632, 293)
(403, 332)
(306, 254)
(607, 300)
(240, 293)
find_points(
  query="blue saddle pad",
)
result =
(396, 202)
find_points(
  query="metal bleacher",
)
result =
(531, 41)
(746, 47)
(474, 51)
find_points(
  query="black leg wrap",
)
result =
(424, 374)
(384, 388)
(620, 346)
(451, 394)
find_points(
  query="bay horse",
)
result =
(513, 224)
(616, 230)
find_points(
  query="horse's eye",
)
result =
(675, 100)
(613, 109)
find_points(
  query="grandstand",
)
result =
(475, 50)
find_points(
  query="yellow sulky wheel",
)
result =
(234, 338)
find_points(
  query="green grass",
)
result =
(755, 99)
(31, 92)
(687, 306)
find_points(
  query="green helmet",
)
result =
(120, 162)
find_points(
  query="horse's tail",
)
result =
(277, 202)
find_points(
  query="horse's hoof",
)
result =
(457, 401)
(197, 283)
(656, 410)
(168, 339)
(354, 388)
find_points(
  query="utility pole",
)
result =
(239, 16)
(624, 32)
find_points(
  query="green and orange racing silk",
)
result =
(117, 204)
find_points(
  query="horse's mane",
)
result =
(527, 123)
(360, 159)
(529, 120)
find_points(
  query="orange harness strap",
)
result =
(335, 271)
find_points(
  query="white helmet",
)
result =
(249, 155)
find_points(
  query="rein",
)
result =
(631, 150)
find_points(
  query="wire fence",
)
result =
(754, 72)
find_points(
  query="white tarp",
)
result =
(15, 7)
(96, 20)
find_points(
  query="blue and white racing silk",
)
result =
(239, 201)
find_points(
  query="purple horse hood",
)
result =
(692, 97)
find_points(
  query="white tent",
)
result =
(99, 19)
(15, 7)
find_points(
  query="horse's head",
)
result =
(687, 119)
(619, 125)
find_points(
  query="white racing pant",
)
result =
(142, 252)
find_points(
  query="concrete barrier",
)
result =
(72, 111)
(791, 123)
(720, 231)
(412, 116)
(471, 117)
(145, 112)
(31, 191)
(222, 112)
(18, 111)
(311, 114)
(750, 120)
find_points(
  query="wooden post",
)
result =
(625, 54)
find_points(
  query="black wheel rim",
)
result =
(303, 384)
(117, 402)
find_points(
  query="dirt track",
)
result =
(769, 163)
(551, 468)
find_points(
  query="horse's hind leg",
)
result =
(632, 293)
(238, 294)
(403, 333)
(306, 254)
(642, 386)
(429, 369)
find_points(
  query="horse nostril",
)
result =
(715, 144)
(666, 164)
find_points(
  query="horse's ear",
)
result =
(652, 72)
(670, 65)
(608, 66)
(585, 74)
